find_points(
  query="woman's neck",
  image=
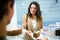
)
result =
(2, 24)
(2, 29)
(33, 17)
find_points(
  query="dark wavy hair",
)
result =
(38, 11)
(3, 9)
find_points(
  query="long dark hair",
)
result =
(38, 11)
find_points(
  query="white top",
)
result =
(34, 24)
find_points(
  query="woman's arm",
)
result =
(39, 25)
(24, 25)
(41, 22)
(24, 22)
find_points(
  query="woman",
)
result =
(6, 13)
(34, 14)
(32, 21)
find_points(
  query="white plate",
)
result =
(41, 36)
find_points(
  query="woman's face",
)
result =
(33, 9)
(10, 13)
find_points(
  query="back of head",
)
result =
(3, 8)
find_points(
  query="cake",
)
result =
(36, 34)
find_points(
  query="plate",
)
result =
(41, 36)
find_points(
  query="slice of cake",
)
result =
(36, 34)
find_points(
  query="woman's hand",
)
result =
(29, 33)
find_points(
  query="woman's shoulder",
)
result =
(40, 19)
(25, 15)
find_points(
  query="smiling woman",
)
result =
(32, 21)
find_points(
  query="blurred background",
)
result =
(50, 10)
